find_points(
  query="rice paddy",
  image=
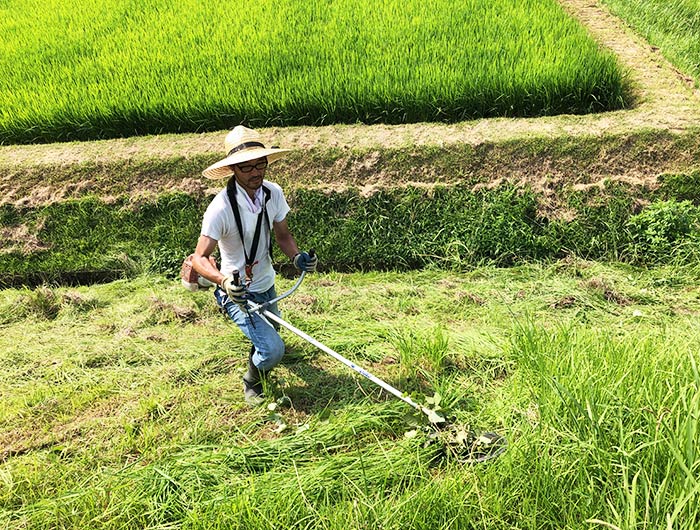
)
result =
(672, 25)
(106, 68)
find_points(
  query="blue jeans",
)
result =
(269, 347)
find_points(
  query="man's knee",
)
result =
(271, 354)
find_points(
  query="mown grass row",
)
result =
(125, 409)
(404, 228)
(109, 69)
(672, 25)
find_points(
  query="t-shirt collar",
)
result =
(253, 205)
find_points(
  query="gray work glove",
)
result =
(234, 290)
(306, 262)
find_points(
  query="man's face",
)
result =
(250, 174)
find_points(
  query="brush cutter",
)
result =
(461, 443)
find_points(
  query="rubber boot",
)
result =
(252, 383)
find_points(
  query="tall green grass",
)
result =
(108, 68)
(672, 25)
(619, 413)
(118, 412)
(88, 239)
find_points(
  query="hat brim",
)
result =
(222, 168)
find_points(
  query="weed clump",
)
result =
(663, 230)
(46, 303)
(162, 312)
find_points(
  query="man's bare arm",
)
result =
(284, 239)
(201, 263)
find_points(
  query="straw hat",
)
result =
(242, 144)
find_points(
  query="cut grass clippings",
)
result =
(122, 403)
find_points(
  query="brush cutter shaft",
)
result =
(260, 308)
(386, 386)
(485, 447)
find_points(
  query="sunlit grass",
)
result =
(105, 68)
(672, 25)
(118, 412)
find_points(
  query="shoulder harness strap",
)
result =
(231, 192)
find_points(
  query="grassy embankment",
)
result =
(122, 409)
(451, 216)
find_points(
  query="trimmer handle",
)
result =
(265, 305)
(236, 277)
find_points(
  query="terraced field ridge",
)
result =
(639, 148)
(667, 103)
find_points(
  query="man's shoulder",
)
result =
(219, 202)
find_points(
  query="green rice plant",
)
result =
(114, 68)
(672, 25)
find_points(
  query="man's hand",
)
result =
(305, 262)
(236, 292)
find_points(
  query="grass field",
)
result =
(672, 25)
(122, 405)
(106, 68)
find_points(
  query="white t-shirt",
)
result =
(220, 224)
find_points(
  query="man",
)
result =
(241, 220)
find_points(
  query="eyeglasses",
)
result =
(247, 168)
